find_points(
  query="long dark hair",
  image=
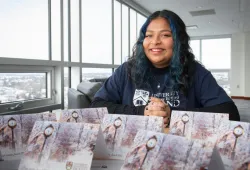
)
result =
(181, 68)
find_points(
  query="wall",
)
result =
(240, 62)
(237, 78)
(247, 64)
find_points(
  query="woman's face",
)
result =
(158, 43)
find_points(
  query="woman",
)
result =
(162, 75)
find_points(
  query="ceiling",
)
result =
(231, 16)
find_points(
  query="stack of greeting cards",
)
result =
(15, 131)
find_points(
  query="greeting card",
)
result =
(57, 146)
(154, 151)
(233, 144)
(199, 126)
(15, 131)
(120, 130)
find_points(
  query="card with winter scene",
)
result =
(15, 131)
(86, 115)
(119, 131)
(154, 151)
(233, 144)
(57, 146)
(199, 126)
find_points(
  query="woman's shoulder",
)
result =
(200, 70)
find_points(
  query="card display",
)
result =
(120, 130)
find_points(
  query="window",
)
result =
(24, 29)
(75, 45)
(140, 21)
(97, 31)
(95, 73)
(215, 55)
(28, 84)
(133, 30)
(22, 86)
(55, 30)
(55, 44)
(117, 32)
(195, 45)
(125, 35)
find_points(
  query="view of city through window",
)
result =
(22, 86)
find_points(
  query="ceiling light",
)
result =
(199, 7)
(191, 27)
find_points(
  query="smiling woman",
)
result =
(162, 75)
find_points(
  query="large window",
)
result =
(47, 47)
(215, 55)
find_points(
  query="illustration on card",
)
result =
(10, 135)
(60, 146)
(86, 115)
(155, 151)
(233, 142)
(120, 130)
(196, 125)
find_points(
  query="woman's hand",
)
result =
(158, 107)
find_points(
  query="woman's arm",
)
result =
(228, 107)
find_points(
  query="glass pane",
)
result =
(140, 21)
(117, 32)
(222, 79)
(56, 30)
(66, 86)
(132, 30)
(65, 29)
(24, 29)
(95, 73)
(125, 38)
(195, 45)
(22, 86)
(75, 30)
(216, 53)
(97, 31)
